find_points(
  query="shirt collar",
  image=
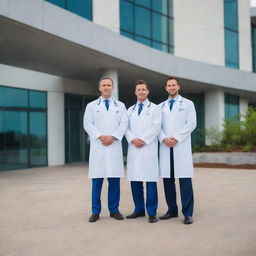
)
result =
(175, 98)
(102, 99)
(145, 102)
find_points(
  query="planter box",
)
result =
(229, 158)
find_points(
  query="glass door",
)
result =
(76, 139)
(13, 140)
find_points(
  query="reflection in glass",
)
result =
(148, 22)
(23, 133)
(231, 106)
(231, 16)
(231, 33)
(145, 3)
(162, 6)
(38, 139)
(160, 46)
(12, 97)
(143, 40)
(60, 3)
(142, 22)
(160, 28)
(14, 140)
(80, 7)
(37, 99)
(126, 20)
(231, 49)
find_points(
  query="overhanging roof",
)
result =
(64, 44)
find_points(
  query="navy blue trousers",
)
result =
(186, 192)
(113, 194)
(151, 197)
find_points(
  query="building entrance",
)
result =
(76, 139)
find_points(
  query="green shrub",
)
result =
(247, 148)
(213, 135)
(250, 127)
(229, 148)
(235, 135)
(232, 132)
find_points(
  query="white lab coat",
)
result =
(105, 161)
(142, 163)
(178, 123)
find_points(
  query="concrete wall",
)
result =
(214, 110)
(243, 106)
(106, 13)
(199, 30)
(33, 80)
(56, 128)
(244, 26)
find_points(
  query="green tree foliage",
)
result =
(235, 133)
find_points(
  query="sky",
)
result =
(253, 3)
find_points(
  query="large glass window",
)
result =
(231, 33)
(254, 47)
(231, 106)
(80, 7)
(23, 128)
(149, 22)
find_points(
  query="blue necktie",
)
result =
(107, 104)
(171, 104)
(140, 108)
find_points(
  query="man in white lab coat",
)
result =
(142, 159)
(105, 120)
(178, 122)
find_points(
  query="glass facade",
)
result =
(231, 106)
(76, 139)
(23, 128)
(231, 33)
(149, 22)
(82, 8)
(254, 47)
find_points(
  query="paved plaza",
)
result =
(45, 211)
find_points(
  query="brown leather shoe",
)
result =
(116, 215)
(94, 217)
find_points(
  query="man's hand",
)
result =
(170, 142)
(106, 140)
(138, 143)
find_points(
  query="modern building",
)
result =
(52, 54)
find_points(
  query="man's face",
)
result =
(106, 88)
(172, 87)
(141, 92)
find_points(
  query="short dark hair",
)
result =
(141, 82)
(172, 78)
(106, 77)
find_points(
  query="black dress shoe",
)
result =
(135, 215)
(116, 215)
(168, 216)
(152, 219)
(94, 217)
(188, 220)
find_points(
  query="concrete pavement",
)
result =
(45, 211)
